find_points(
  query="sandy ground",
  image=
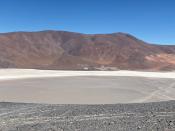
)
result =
(85, 87)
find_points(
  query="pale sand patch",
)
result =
(87, 90)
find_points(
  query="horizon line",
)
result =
(55, 30)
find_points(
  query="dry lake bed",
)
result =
(86, 101)
(87, 90)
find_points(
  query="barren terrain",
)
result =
(76, 51)
(85, 87)
(86, 100)
(120, 117)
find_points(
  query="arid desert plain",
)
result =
(85, 87)
(86, 100)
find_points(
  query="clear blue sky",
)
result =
(149, 20)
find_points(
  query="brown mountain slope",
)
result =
(67, 50)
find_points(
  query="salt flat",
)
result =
(6, 74)
(85, 87)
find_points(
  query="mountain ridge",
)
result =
(77, 51)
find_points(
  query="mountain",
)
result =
(75, 51)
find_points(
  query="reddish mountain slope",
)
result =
(67, 50)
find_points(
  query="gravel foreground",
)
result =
(158, 116)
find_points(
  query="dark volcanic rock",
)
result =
(159, 116)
